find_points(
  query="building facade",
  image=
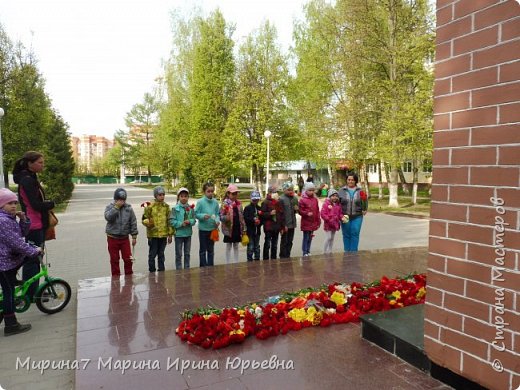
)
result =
(88, 148)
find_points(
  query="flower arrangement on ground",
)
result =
(329, 304)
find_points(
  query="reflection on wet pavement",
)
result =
(126, 327)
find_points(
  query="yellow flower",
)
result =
(241, 312)
(236, 331)
(297, 315)
(421, 293)
(314, 316)
(397, 294)
(254, 305)
(392, 302)
(338, 298)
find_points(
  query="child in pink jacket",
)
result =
(310, 213)
(332, 216)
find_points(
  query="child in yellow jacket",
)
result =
(158, 229)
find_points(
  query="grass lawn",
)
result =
(405, 206)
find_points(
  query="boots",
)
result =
(12, 326)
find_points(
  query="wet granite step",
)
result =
(400, 332)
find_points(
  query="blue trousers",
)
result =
(253, 248)
(182, 244)
(350, 232)
(306, 243)
(156, 247)
(206, 249)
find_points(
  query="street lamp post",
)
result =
(267, 134)
(2, 182)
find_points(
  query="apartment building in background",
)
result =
(88, 148)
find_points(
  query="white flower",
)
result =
(258, 312)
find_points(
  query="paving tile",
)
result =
(136, 319)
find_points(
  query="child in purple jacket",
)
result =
(13, 250)
(332, 216)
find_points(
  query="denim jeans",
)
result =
(156, 247)
(350, 232)
(31, 265)
(306, 243)
(182, 244)
(253, 248)
(207, 249)
(286, 243)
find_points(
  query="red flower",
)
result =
(363, 195)
(220, 328)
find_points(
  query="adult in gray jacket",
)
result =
(289, 201)
(121, 222)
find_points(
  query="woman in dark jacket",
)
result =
(32, 200)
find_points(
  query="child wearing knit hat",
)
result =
(159, 231)
(13, 249)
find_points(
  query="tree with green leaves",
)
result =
(59, 164)
(142, 120)
(211, 91)
(259, 104)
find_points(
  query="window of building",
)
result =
(372, 168)
(407, 166)
(427, 166)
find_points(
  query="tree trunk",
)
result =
(331, 176)
(404, 184)
(380, 176)
(365, 179)
(392, 187)
(415, 180)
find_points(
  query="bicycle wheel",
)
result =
(53, 297)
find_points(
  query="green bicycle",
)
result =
(52, 295)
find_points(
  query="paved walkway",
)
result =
(80, 253)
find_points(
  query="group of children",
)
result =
(276, 216)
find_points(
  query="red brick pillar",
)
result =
(472, 324)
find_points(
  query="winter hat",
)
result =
(255, 195)
(120, 194)
(158, 191)
(287, 186)
(6, 196)
(309, 186)
(331, 192)
(232, 188)
(183, 189)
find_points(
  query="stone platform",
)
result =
(131, 321)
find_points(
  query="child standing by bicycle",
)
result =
(121, 223)
(13, 249)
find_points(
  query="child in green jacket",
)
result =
(158, 229)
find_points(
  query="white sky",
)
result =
(99, 57)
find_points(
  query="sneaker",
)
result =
(15, 329)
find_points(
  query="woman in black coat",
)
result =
(33, 203)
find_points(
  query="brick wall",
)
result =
(474, 244)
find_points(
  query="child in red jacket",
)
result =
(332, 216)
(310, 213)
